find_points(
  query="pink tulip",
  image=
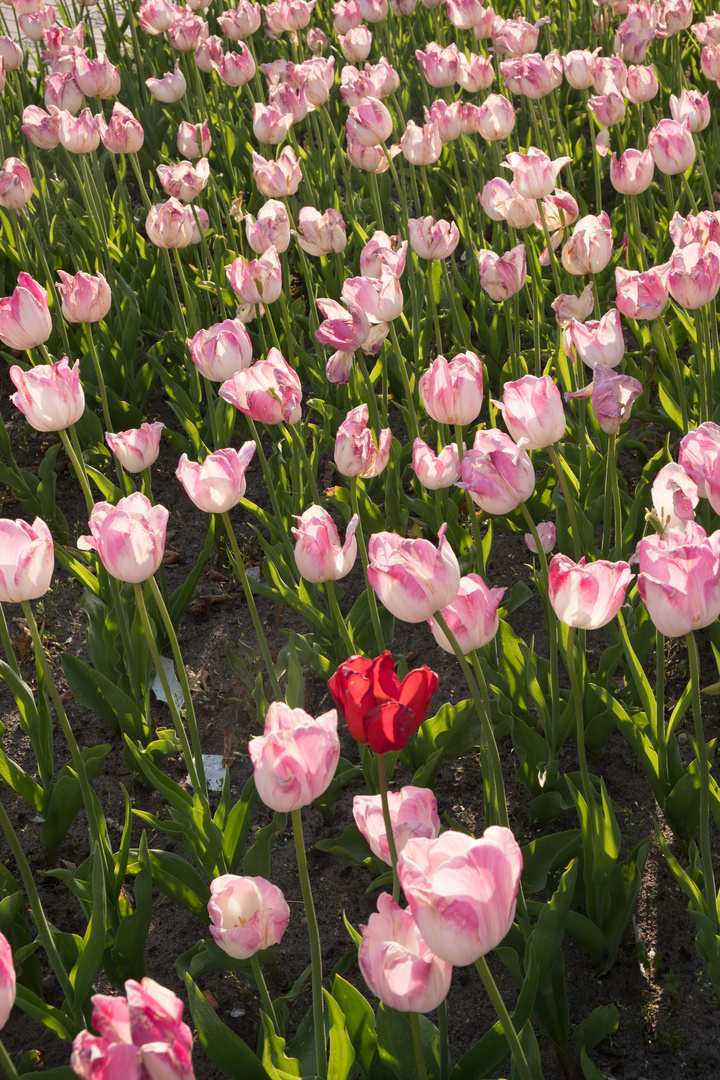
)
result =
(270, 229)
(141, 1036)
(568, 307)
(137, 448)
(397, 964)
(412, 578)
(578, 67)
(501, 276)
(495, 118)
(281, 71)
(694, 275)
(193, 140)
(157, 16)
(610, 71)
(380, 298)
(27, 560)
(608, 108)
(49, 396)
(373, 11)
(258, 281)
(218, 484)
(355, 451)
(708, 32)
(383, 254)
(472, 616)
(465, 14)
(413, 812)
(34, 25)
(446, 117)
(534, 174)
(432, 239)
(632, 172)
(710, 62)
(7, 976)
(452, 391)
(612, 398)
(532, 76)
(11, 53)
(370, 123)
(78, 134)
(439, 65)
(170, 87)
(476, 73)
(318, 76)
(248, 914)
(674, 497)
(62, 92)
(128, 537)
(270, 125)
(40, 128)
(288, 101)
(599, 344)
(184, 181)
(532, 409)
(673, 16)
(672, 147)
(642, 84)
(240, 22)
(187, 32)
(16, 185)
(277, 179)
(356, 44)
(235, 68)
(435, 471)
(344, 328)
(498, 474)
(421, 145)
(339, 367)
(695, 229)
(85, 298)
(547, 534)
(321, 234)
(641, 295)
(295, 759)
(514, 37)
(501, 202)
(698, 449)
(170, 225)
(209, 51)
(24, 316)
(346, 16)
(221, 351)
(635, 33)
(318, 553)
(679, 580)
(589, 249)
(587, 596)
(124, 134)
(96, 77)
(269, 391)
(691, 106)
(462, 891)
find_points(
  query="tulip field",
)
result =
(359, 539)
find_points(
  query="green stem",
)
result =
(392, 847)
(676, 372)
(10, 657)
(315, 953)
(444, 1046)
(128, 651)
(6, 1063)
(701, 750)
(577, 693)
(701, 367)
(551, 628)
(551, 254)
(493, 993)
(372, 601)
(99, 376)
(299, 443)
(569, 502)
(660, 732)
(76, 462)
(472, 512)
(263, 991)
(412, 417)
(607, 523)
(433, 307)
(417, 1045)
(271, 492)
(370, 398)
(339, 620)
(514, 363)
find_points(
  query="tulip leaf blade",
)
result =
(227, 1051)
(342, 1052)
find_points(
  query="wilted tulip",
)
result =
(498, 474)
(587, 596)
(86, 298)
(532, 409)
(248, 914)
(269, 391)
(27, 560)
(435, 471)
(501, 276)
(355, 451)
(672, 147)
(412, 578)
(218, 483)
(452, 391)
(295, 759)
(170, 87)
(472, 616)
(128, 537)
(679, 580)
(137, 448)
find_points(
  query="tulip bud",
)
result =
(49, 396)
(533, 411)
(547, 535)
(672, 147)
(137, 448)
(194, 140)
(452, 391)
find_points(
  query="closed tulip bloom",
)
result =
(33, 25)
(270, 125)
(530, 76)
(498, 474)
(318, 553)
(672, 147)
(170, 87)
(62, 92)
(694, 275)
(532, 409)
(276, 179)
(240, 22)
(599, 344)
(587, 596)
(218, 483)
(11, 53)
(609, 70)
(412, 578)
(697, 449)
(16, 186)
(187, 32)
(270, 229)
(355, 451)
(578, 67)
(193, 140)
(269, 391)
(49, 396)
(476, 73)
(235, 68)
(708, 32)
(289, 101)
(221, 350)
(495, 118)
(356, 44)
(534, 173)
(379, 710)
(258, 281)
(612, 398)
(171, 225)
(642, 294)
(421, 145)
(373, 11)
(608, 108)
(679, 580)
(295, 759)
(157, 16)
(461, 891)
(24, 316)
(465, 14)
(27, 560)
(123, 134)
(691, 106)
(346, 16)
(547, 534)
(472, 616)
(184, 181)
(710, 62)
(432, 239)
(447, 118)
(7, 980)
(589, 249)
(248, 914)
(632, 172)
(501, 276)
(40, 128)
(321, 234)
(413, 812)
(370, 122)
(383, 254)
(642, 84)
(673, 16)
(501, 202)
(78, 134)
(452, 391)
(209, 51)
(674, 498)
(514, 37)
(96, 77)
(439, 65)
(396, 962)
(86, 298)
(380, 298)
(128, 537)
(435, 471)
(137, 448)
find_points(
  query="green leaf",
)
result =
(342, 1054)
(67, 798)
(597, 1026)
(257, 861)
(542, 855)
(237, 826)
(51, 1018)
(360, 1026)
(85, 971)
(175, 877)
(128, 952)
(227, 1051)
(351, 845)
(395, 1043)
(95, 691)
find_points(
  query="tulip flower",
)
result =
(7, 978)
(355, 451)
(321, 234)
(413, 812)
(86, 298)
(412, 578)
(475, 73)
(632, 172)
(710, 62)
(16, 186)
(691, 106)
(373, 11)
(501, 276)
(461, 891)
(587, 596)
(695, 228)
(258, 281)
(698, 449)
(642, 294)
(589, 249)
(612, 398)
(599, 343)
(40, 128)
(674, 497)
(533, 76)
(346, 16)
(609, 70)
(514, 37)
(379, 710)
(447, 118)
(380, 298)
(62, 92)
(295, 759)
(421, 145)
(235, 68)
(96, 77)
(194, 140)
(269, 391)
(439, 65)
(464, 14)
(270, 229)
(547, 534)
(209, 51)
(356, 44)
(673, 16)
(495, 118)
(472, 616)
(609, 108)
(24, 316)
(49, 396)
(318, 553)
(501, 202)
(432, 239)
(672, 147)
(218, 484)
(277, 179)
(343, 328)
(157, 16)
(187, 32)
(533, 411)
(129, 537)
(498, 474)
(708, 32)
(383, 254)
(222, 350)
(578, 67)
(452, 391)
(34, 24)
(568, 307)
(11, 53)
(78, 134)
(248, 914)
(642, 84)
(124, 134)
(170, 87)
(534, 174)
(142, 1034)
(435, 471)
(170, 225)
(184, 181)
(679, 580)
(137, 448)
(694, 275)
(27, 560)
(370, 123)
